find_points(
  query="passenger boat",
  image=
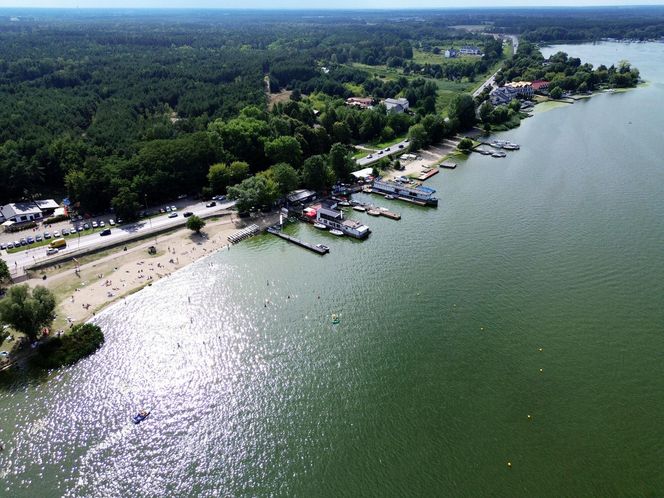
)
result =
(361, 209)
(140, 416)
(336, 232)
(320, 226)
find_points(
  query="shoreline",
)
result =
(104, 281)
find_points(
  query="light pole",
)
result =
(146, 210)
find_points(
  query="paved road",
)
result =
(492, 78)
(18, 261)
(379, 154)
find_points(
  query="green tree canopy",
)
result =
(284, 149)
(285, 176)
(254, 192)
(418, 137)
(462, 108)
(28, 310)
(126, 203)
(221, 175)
(195, 224)
(316, 175)
(5, 276)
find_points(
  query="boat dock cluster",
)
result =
(500, 145)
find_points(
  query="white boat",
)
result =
(373, 212)
(389, 197)
(499, 154)
(336, 232)
(361, 209)
(320, 226)
(344, 203)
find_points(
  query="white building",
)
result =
(21, 212)
(396, 105)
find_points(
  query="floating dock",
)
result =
(317, 248)
(390, 215)
(245, 233)
(449, 165)
(428, 173)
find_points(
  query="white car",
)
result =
(173, 215)
(167, 209)
(111, 222)
(102, 224)
(173, 208)
(51, 250)
(95, 224)
(56, 234)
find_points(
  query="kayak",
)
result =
(139, 417)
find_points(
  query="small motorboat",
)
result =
(373, 212)
(361, 209)
(140, 416)
(389, 197)
(320, 226)
(335, 319)
(499, 154)
(344, 204)
(336, 232)
(323, 247)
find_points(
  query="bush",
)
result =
(81, 341)
(56, 219)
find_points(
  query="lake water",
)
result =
(535, 288)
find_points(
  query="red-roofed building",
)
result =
(540, 85)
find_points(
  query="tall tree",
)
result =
(27, 310)
(462, 108)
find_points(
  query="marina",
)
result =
(317, 248)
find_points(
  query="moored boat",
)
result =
(336, 232)
(373, 212)
(361, 209)
(320, 226)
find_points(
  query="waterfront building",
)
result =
(396, 106)
(334, 219)
(418, 194)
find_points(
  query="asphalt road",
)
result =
(18, 261)
(379, 154)
(492, 79)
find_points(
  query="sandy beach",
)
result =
(85, 290)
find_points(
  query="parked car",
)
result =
(401, 146)
(120, 221)
(111, 222)
(51, 250)
(17, 243)
(86, 226)
(173, 208)
(95, 224)
(56, 234)
(38, 237)
(162, 210)
(102, 224)
(105, 232)
(24, 242)
(369, 156)
(210, 204)
(173, 215)
(47, 235)
(187, 214)
(3, 246)
(167, 209)
(65, 231)
(10, 245)
(80, 228)
(31, 240)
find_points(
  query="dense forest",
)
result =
(116, 108)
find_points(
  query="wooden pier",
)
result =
(245, 233)
(317, 248)
(428, 173)
(390, 215)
